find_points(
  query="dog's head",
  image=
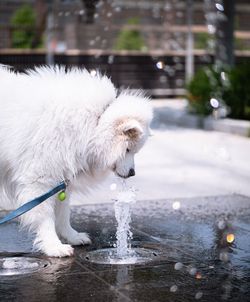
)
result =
(131, 135)
(124, 128)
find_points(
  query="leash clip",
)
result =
(66, 181)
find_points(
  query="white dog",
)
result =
(58, 126)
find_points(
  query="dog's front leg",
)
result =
(41, 221)
(64, 228)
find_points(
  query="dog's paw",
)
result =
(78, 238)
(62, 250)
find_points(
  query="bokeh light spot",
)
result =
(113, 186)
(160, 65)
(230, 238)
(176, 205)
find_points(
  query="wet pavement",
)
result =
(201, 252)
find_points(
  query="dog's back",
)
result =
(35, 106)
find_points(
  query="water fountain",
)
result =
(122, 251)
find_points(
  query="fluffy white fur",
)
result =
(55, 126)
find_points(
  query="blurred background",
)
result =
(191, 57)
(199, 49)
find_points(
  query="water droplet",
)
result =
(179, 82)
(99, 4)
(214, 103)
(176, 59)
(179, 66)
(156, 13)
(173, 288)
(224, 256)
(211, 29)
(223, 76)
(93, 73)
(169, 70)
(178, 266)
(219, 6)
(176, 205)
(110, 59)
(104, 230)
(198, 295)
(167, 7)
(113, 186)
(160, 65)
(163, 79)
(193, 271)
(221, 224)
(179, 14)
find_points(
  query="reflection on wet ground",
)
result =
(202, 253)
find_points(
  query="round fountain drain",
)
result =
(10, 266)
(109, 256)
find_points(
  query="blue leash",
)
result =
(33, 203)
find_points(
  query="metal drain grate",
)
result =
(108, 256)
(10, 266)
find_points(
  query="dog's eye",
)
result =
(128, 150)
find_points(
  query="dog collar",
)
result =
(38, 200)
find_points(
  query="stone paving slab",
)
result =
(193, 235)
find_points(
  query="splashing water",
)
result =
(122, 207)
(122, 252)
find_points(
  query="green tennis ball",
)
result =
(62, 196)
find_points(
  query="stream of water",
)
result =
(122, 207)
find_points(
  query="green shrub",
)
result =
(200, 90)
(130, 39)
(23, 21)
(232, 92)
(237, 96)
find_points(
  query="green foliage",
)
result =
(199, 92)
(130, 39)
(201, 40)
(233, 91)
(237, 96)
(23, 20)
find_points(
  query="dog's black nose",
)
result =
(131, 172)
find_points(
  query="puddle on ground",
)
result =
(201, 245)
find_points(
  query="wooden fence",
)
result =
(160, 74)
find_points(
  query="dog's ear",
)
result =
(132, 129)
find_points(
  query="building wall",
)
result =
(157, 21)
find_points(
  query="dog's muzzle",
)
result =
(130, 173)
